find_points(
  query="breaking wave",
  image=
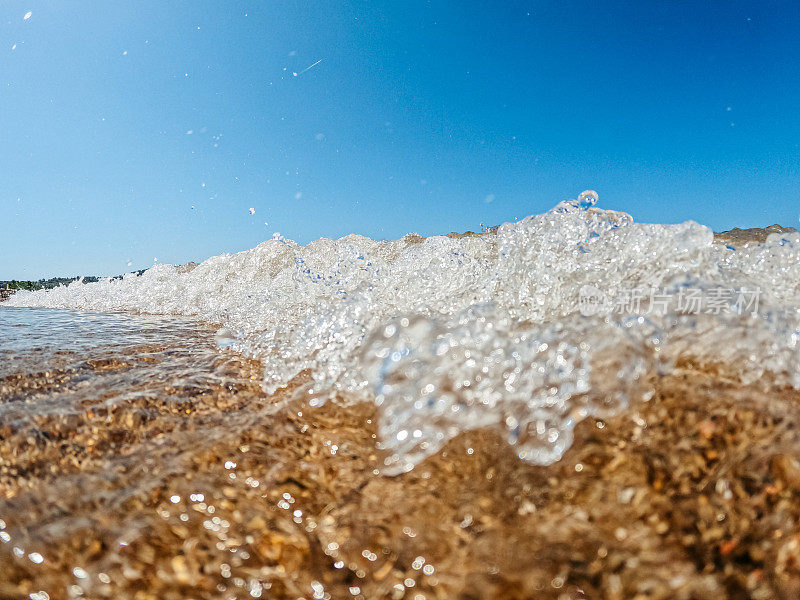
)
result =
(527, 328)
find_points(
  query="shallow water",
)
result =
(139, 460)
(33, 337)
(98, 413)
(527, 329)
(574, 406)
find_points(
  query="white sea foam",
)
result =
(452, 333)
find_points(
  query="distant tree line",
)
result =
(41, 284)
(46, 284)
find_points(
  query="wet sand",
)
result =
(738, 238)
(163, 471)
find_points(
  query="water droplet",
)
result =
(588, 198)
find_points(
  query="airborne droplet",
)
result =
(588, 198)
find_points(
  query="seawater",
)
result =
(55, 362)
(451, 333)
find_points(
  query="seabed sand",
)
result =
(204, 487)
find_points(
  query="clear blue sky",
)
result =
(421, 116)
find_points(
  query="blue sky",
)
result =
(138, 130)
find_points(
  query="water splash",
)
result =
(480, 368)
(483, 330)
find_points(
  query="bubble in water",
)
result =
(224, 337)
(27, 16)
